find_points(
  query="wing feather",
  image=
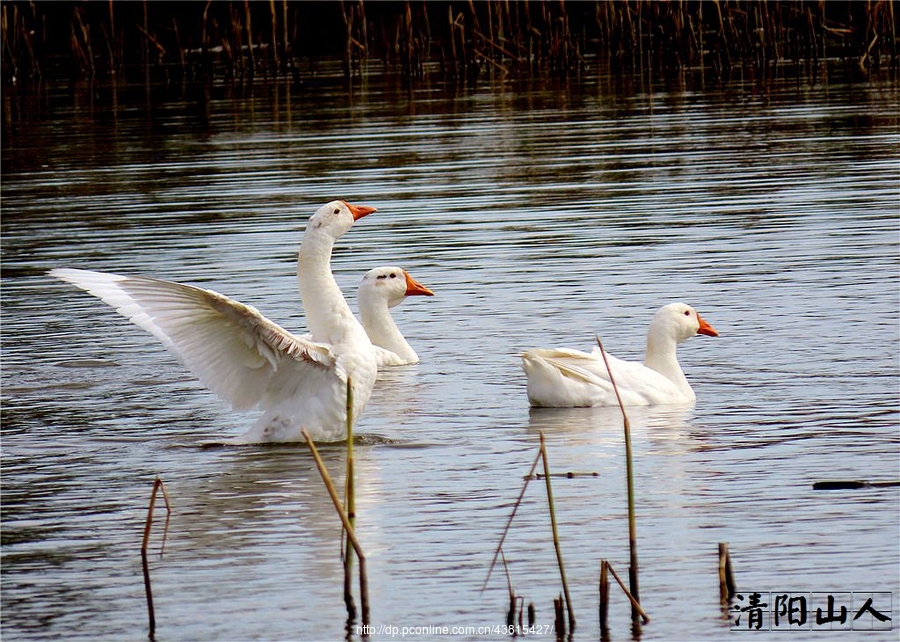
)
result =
(564, 377)
(232, 348)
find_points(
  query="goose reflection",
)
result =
(605, 424)
(261, 502)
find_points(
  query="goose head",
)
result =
(390, 284)
(678, 322)
(337, 217)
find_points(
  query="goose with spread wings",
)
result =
(298, 382)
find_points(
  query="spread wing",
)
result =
(232, 348)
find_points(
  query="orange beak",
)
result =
(359, 211)
(414, 287)
(705, 328)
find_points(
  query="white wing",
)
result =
(233, 349)
(568, 378)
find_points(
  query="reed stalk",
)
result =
(351, 534)
(157, 485)
(604, 600)
(248, 61)
(559, 618)
(840, 484)
(274, 18)
(511, 615)
(559, 559)
(284, 31)
(350, 506)
(568, 475)
(629, 473)
(528, 477)
(635, 605)
(726, 574)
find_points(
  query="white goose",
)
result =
(380, 290)
(562, 378)
(247, 359)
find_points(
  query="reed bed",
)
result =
(461, 39)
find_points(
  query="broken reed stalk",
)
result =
(635, 605)
(511, 615)
(852, 484)
(559, 619)
(351, 535)
(157, 484)
(726, 574)
(604, 600)
(629, 473)
(568, 475)
(559, 559)
(350, 507)
(528, 477)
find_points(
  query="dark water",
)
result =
(541, 215)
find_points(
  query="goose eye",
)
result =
(393, 275)
(337, 210)
(687, 313)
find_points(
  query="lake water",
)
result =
(541, 214)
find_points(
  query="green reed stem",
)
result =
(559, 559)
(350, 505)
(629, 468)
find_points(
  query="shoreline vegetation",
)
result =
(466, 39)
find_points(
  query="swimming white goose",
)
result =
(562, 378)
(380, 290)
(247, 359)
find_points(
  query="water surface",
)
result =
(541, 215)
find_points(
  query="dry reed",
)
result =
(497, 552)
(556, 546)
(635, 604)
(604, 600)
(349, 506)
(465, 40)
(726, 574)
(351, 535)
(632, 520)
(157, 485)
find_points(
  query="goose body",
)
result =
(564, 378)
(248, 360)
